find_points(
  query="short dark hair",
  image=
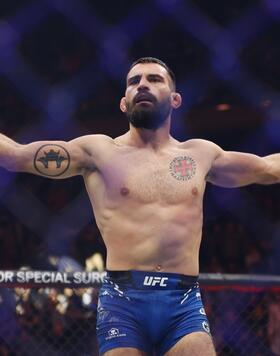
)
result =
(144, 60)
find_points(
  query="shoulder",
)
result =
(204, 151)
(202, 145)
(92, 143)
(92, 139)
(90, 150)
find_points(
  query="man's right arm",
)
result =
(52, 159)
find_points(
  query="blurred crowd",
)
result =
(48, 321)
(245, 239)
(53, 321)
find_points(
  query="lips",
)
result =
(143, 97)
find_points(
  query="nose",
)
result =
(143, 84)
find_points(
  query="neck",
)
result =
(153, 138)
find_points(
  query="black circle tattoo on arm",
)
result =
(51, 160)
(182, 167)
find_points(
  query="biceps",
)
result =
(234, 169)
(55, 159)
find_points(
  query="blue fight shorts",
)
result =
(149, 311)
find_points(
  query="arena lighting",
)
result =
(87, 299)
(266, 103)
(223, 107)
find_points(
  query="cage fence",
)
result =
(58, 318)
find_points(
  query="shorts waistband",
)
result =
(151, 280)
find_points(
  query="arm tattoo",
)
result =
(182, 167)
(51, 160)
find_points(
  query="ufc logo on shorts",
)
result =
(153, 281)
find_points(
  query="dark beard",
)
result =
(147, 117)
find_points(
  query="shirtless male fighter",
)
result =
(146, 189)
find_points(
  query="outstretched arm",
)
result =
(234, 169)
(53, 159)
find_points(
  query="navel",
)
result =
(158, 267)
(124, 191)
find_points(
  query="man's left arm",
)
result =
(234, 169)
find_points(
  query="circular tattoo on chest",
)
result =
(51, 160)
(182, 167)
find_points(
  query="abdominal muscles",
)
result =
(153, 237)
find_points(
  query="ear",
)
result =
(176, 100)
(123, 104)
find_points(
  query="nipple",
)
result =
(194, 191)
(124, 191)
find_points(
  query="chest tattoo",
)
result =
(182, 167)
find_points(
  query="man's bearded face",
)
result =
(146, 112)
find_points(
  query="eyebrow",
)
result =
(149, 76)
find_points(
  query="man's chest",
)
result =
(169, 178)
